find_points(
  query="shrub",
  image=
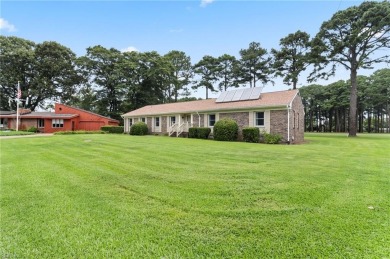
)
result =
(272, 138)
(251, 134)
(139, 129)
(198, 132)
(204, 133)
(193, 132)
(226, 130)
(32, 129)
(112, 129)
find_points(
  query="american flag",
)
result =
(19, 92)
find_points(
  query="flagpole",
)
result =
(17, 108)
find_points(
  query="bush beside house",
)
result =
(112, 129)
(226, 130)
(199, 132)
(32, 129)
(251, 134)
(139, 129)
(269, 138)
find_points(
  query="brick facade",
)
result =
(242, 119)
(297, 115)
(164, 123)
(283, 114)
(195, 120)
(149, 122)
(278, 123)
(25, 124)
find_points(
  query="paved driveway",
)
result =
(28, 136)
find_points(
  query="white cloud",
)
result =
(204, 3)
(130, 49)
(5, 25)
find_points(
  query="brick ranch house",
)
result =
(64, 118)
(279, 112)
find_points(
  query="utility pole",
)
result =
(18, 96)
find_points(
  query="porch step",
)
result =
(182, 135)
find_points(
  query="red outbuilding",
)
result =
(64, 118)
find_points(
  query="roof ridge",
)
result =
(87, 111)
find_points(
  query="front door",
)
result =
(186, 119)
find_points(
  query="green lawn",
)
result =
(120, 196)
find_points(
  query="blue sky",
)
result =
(196, 27)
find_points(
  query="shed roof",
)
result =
(41, 115)
(92, 113)
(7, 112)
(272, 99)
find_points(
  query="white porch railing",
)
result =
(172, 129)
(179, 129)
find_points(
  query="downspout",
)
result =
(288, 123)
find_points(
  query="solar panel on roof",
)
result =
(221, 97)
(238, 94)
(255, 93)
(246, 94)
(229, 96)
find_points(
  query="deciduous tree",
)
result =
(105, 70)
(46, 71)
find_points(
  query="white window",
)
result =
(173, 120)
(143, 119)
(259, 119)
(211, 120)
(130, 122)
(157, 122)
(57, 123)
(41, 123)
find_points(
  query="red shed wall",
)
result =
(86, 120)
(67, 125)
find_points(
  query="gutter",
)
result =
(242, 109)
(288, 117)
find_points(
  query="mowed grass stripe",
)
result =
(121, 196)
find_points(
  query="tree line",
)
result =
(111, 82)
(327, 106)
